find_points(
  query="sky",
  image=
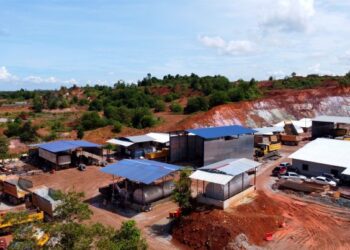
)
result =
(45, 44)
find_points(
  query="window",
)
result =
(305, 167)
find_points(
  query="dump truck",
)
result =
(290, 139)
(15, 189)
(267, 145)
(43, 198)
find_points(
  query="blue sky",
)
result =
(45, 44)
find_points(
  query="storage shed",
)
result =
(64, 153)
(324, 156)
(222, 181)
(204, 146)
(330, 126)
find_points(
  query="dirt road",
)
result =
(310, 225)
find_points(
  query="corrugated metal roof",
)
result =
(335, 119)
(160, 137)
(65, 145)
(217, 132)
(144, 171)
(139, 138)
(232, 166)
(268, 130)
(221, 179)
(325, 151)
(120, 142)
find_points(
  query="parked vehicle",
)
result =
(279, 170)
(285, 164)
(293, 175)
(331, 177)
(323, 180)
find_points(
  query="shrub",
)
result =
(176, 107)
(195, 104)
(117, 127)
(92, 120)
(218, 98)
(159, 106)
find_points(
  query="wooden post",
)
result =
(242, 181)
(255, 178)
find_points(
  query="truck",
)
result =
(15, 189)
(43, 198)
(266, 145)
(290, 139)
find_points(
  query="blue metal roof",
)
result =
(65, 145)
(217, 132)
(144, 171)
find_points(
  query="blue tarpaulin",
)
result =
(65, 145)
(144, 171)
(217, 132)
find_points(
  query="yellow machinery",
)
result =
(41, 237)
(267, 150)
(158, 154)
(37, 216)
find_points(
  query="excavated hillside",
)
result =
(276, 106)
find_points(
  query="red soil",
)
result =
(214, 229)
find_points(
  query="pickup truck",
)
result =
(293, 175)
(324, 180)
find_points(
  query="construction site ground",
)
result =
(308, 224)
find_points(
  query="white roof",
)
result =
(346, 171)
(221, 179)
(160, 137)
(232, 166)
(325, 151)
(335, 119)
(305, 123)
(120, 142)
(268, 130)
(298, 125)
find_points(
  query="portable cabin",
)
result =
(330, 126)
(225, 182)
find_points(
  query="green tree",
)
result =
(195, 104)
(182, 192)
(4, 146)
(80, 132)
(37, 104)
(218, 98)
(70, 232)
(129, 237)
(117, 127)
(92, 120)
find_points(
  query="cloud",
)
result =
(232, 47)
(7, 77)
(289, 15)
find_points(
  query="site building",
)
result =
(150, 146)
(330, 126)
(323, 156)
(224, 182)
(203, 146)
(66, 153)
